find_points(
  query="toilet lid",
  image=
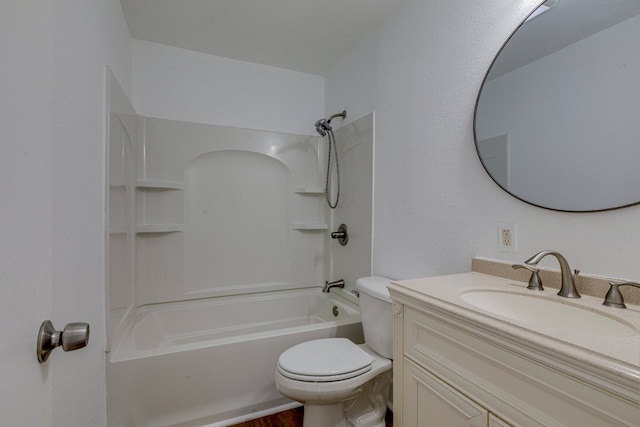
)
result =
(330, 359)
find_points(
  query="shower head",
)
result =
(323, 125)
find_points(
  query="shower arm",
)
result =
(343, 115)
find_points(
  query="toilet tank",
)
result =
(377, 314)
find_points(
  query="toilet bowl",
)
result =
(343, 384)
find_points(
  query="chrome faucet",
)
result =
(336, 284)
(568, 287)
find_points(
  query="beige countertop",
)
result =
(617, 356)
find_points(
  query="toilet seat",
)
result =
(324, 378)
(324, 360)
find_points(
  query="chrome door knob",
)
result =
(73, 337)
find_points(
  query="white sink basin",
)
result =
(543, 313)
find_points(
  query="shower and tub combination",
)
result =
(218, 251)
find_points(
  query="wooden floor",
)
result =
(290, 418)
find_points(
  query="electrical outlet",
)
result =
(507, 236)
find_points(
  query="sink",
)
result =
(542, 313)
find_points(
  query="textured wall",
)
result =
(434, 205)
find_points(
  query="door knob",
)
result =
(73, 337)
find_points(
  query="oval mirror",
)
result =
(557, 121)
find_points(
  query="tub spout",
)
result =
(335, 284)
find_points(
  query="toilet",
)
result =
(343, 384)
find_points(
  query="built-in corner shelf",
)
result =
(309, 191)
(159, 185)
(309, 226)
(159, 228)
(118, 229)
(159, 193)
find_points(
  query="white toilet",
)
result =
(340, 383)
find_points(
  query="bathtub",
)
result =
(211, 362)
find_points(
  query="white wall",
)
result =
(435, 207)
(179, 84)
(87, 36)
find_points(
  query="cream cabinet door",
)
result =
(429, 402)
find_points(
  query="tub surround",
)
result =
(197, 233)
(596, 286)
(487, 357)
(224, 245)
(355, 151)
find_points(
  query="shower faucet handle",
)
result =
(341, 235)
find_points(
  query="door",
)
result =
(25, 209)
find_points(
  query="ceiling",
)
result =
(309, 36)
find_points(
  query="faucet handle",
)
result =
(535, 282)
(614, 297)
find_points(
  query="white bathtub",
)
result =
(208, 362)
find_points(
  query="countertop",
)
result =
(617, 356)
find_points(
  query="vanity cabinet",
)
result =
(452, 370)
